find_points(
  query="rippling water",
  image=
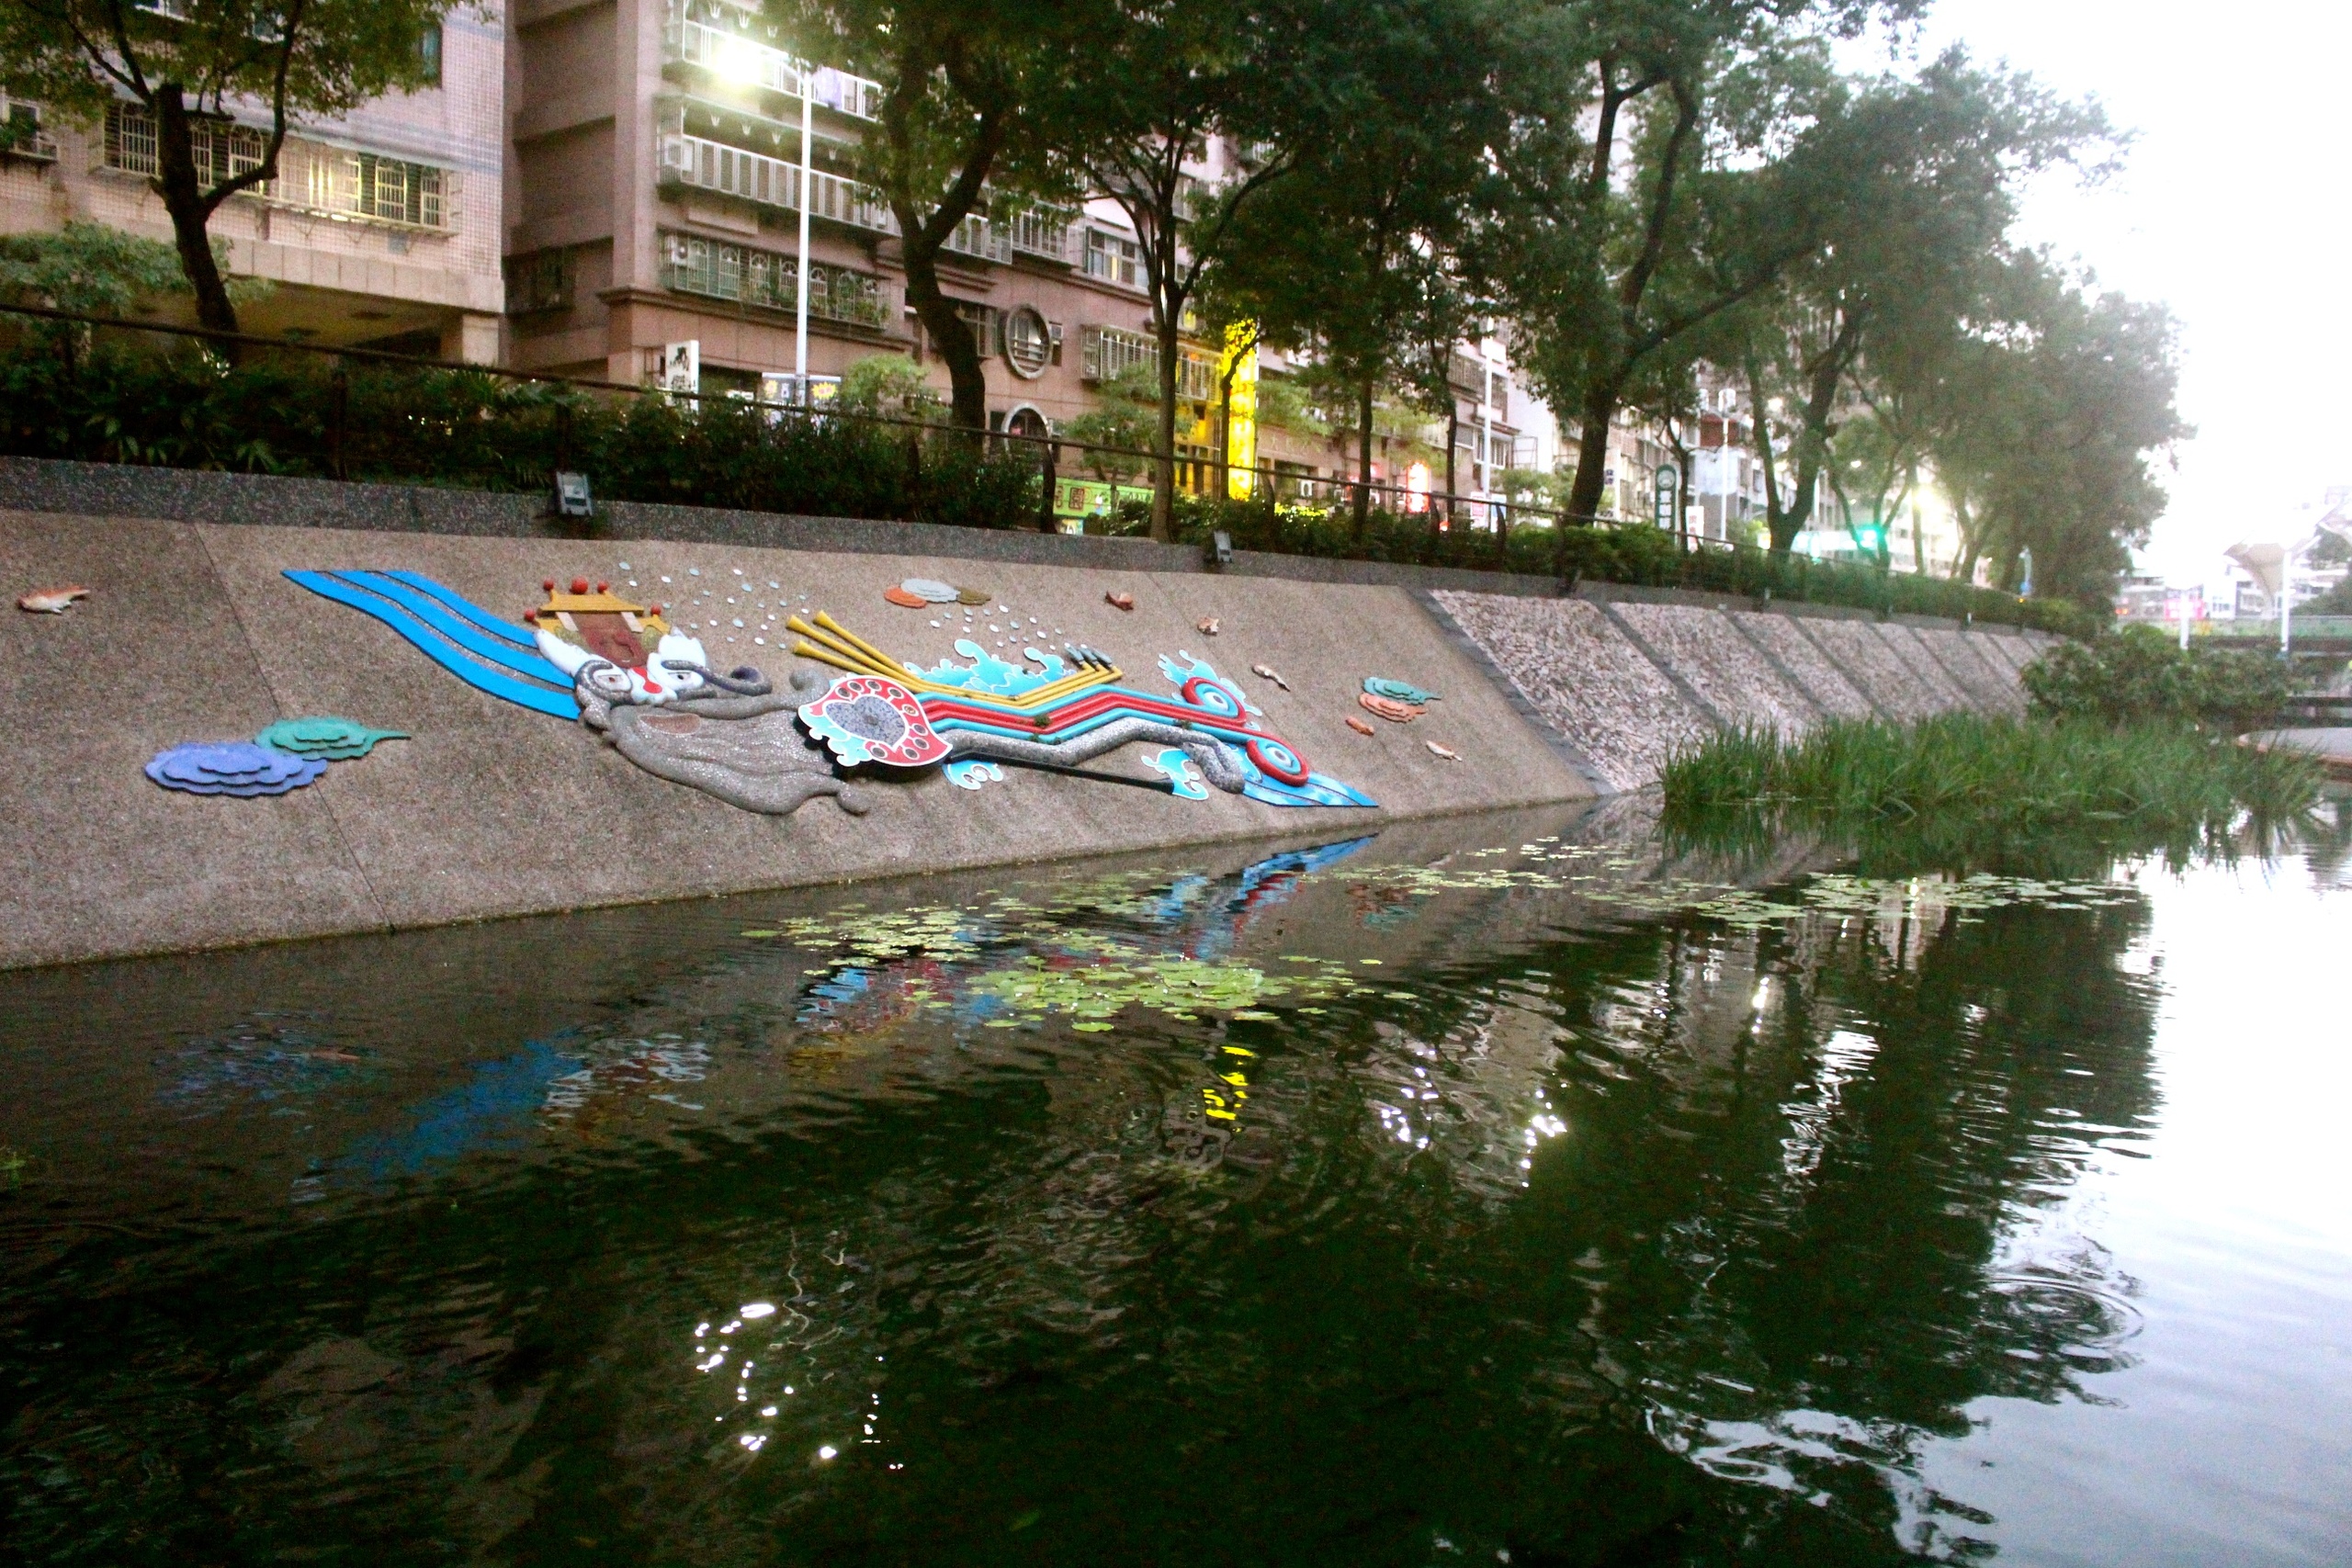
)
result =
(1512, 1189)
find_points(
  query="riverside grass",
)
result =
(1996, 773)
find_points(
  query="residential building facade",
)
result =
(656, 202)
(382, 227)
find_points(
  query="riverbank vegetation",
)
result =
(2000, 771)
(2126, 735)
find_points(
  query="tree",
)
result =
(2053, 416)
(1904, 264)
(959, 78)
(1358, 263)
(85, 267)
(192, 65)
(1166, 89)
(1670, 162)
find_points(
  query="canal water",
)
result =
(1530, 1190)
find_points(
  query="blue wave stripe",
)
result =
(463, 607)
(508, 688)
(531, 663)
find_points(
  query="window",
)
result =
(1028, 342)
(1104, 352)
(1498, 393)
(20, 132)
(769, 280)
(1114, 259)
(428, 54)
(222, 151)
(987, 323)
(539, 281)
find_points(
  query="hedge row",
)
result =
(305, 414)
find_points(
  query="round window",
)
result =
(1028, 343)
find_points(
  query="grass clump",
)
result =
(2162, 778)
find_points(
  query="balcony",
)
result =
(1040, 231)
(769, 280)
(1104, 352)
(697, 163)
(731, 57)
(700, 163)
(312, 178)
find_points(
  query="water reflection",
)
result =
(1544, 1191)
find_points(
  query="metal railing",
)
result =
(1442, 510)
(702, 164)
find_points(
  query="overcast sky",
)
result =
(2235, 209)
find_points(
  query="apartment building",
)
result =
(656, 204)
(381, 229)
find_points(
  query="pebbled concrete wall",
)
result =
(1627, 682)
(192, 634)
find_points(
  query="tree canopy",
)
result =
(194, 64)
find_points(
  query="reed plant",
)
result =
(2001, 774)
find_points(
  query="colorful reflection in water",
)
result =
(1525, 1193)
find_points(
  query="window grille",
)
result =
(222, 151)
(1104, 352)
(539, 281)
(769, 280)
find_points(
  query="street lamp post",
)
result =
(800, 293)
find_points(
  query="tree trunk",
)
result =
(1453, 444)
(184, 200)
(1592, 453)
(950, 334)
(1224, 429)
(1364, 458)
(1163, 451)
(1964, 569)
(924, 235)
(1441, 519)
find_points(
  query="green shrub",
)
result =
(297, 413)
(2138, 674)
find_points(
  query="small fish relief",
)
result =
(50, 601)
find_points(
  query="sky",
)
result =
(2235, 208)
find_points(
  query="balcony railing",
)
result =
(769, 280)
(700, 163)
(734, 58)
(1104, 352)
(327, 182)
(1040, 231)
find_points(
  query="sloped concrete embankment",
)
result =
(192, 632)
(1625, 683)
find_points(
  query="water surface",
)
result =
(1512, 1189)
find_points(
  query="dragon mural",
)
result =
(621, 668)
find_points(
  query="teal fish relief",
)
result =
(1398, 692)
(326, 738)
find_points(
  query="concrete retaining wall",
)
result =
(1625, 684)
(193, 634)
